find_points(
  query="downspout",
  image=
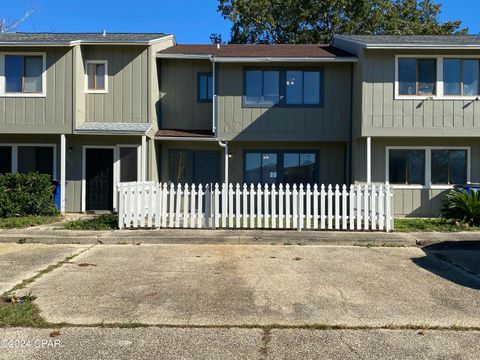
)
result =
(224, 145)
(214, 99)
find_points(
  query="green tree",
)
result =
(315, 21)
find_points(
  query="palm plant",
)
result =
(463, 205)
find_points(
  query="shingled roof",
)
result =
(413, 41)
(23, 38)
(314, 51)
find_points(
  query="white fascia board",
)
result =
(183, 56)
(422, 46)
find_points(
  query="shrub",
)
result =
(23, 195)
(102, 222)
(463, 205)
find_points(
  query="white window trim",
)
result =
(15, 147)
(91, 91)
(3, 92)
(439, 81)
(428, 166)
(116, 169)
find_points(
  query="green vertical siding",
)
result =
(179, 106)
(329, 122)
(383, 115)
(50, 114)
(127, 98)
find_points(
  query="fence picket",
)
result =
(216, 203)
(186, 197)
(266, 207)
(200, 194)
(273, 208)
(178, 204)
(351, 208)
(224, 205)
(308, 210)
(358, 195)
(193, 210)
(366, 218)
(280, 216)
(337, 207)
(381, 199)
(315, 206)
(295, 207)
(230, 206)
(252, 206)
(301, 197)
(388, 202)
(288, 195)
(244, 206)
(237, 205)
(330, 207)
(344, 207)
(373, 208)
(322, 207)
(259, 206)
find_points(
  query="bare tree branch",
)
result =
(9, 26)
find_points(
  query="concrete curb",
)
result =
(199, 236)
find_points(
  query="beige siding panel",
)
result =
(327, 123)
(179, 107)
(410, 117)
(50, 114)
(126, 100)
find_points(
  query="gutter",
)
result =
(86, 42)
(246, 59)
(187, 138)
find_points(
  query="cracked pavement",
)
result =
(264, 301)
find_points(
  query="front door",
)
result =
(99, 179)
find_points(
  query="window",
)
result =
(205, 87)
(417, 76)
(302, 87)
(24, 74)
(35, 159)
(299, 168)
(407, 167)
(461, 77)
(449, 166)
(128, 163)
(262, 87)
(5, 159)
(96, 76)
(199, 167)
(261, 168)
(275, 167)
(283, 87)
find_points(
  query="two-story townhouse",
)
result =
(82, 108)
(416, 115)
(254, 113)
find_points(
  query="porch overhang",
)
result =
(185, 135)
(109, 128)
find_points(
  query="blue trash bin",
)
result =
(56, 193)
(470, 187)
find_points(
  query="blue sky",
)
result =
(192, 21)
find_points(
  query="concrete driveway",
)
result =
(19, 262)
(259, 285)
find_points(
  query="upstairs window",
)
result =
(302, 87)
(417, 76)
(461, 77)
(24, 74)
(205, 87)
(96, 76)
(262, 87)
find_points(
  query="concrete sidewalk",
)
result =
(234, 343)
(204, 236)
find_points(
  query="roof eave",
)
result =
(421, 46)
(254, 59)
(87, 42)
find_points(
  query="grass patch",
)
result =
(102, 222)
(27, 221)
(26, 314)
(430, 225)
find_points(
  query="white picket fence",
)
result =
(358, 207)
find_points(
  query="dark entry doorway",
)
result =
(99, 179)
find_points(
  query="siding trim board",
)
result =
(428, 185)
